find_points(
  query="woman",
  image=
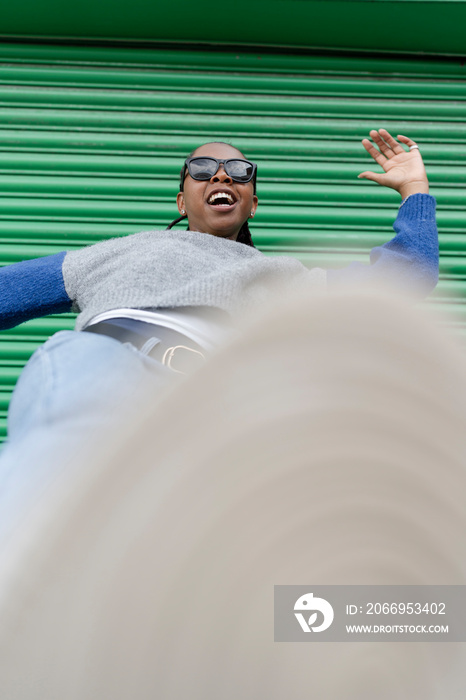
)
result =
(163, 554)
(167, 297)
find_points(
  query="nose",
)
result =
(221, 176)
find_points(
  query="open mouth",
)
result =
(221, 200)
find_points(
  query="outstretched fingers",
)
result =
(403, 171)
(392, 143)
(379, 141)
(387, 148)
(387, 145)
(372, 151)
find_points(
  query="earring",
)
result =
(182, 211)
(252, 214)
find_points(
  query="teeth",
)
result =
(220, 195)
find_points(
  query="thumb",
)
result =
(369, 175)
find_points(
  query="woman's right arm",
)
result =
(31, 289)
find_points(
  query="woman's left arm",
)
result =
(409, 262)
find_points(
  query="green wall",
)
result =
(432, 26)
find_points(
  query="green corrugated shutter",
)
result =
(92, 140)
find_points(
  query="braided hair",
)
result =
(244, 235)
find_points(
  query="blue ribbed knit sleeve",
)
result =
(409, 262)
(32, 288)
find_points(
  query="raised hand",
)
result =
(404, 170)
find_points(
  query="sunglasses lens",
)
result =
(202, 168)
(240, 170)
(205, 168)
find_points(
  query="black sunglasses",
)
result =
(205, 167)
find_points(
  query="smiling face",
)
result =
(218, 206)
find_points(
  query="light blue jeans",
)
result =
(69, 392)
